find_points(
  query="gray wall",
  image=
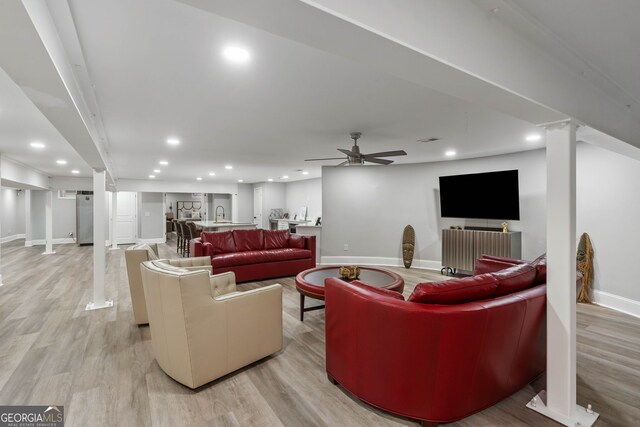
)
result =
(305, 193)
(273, 197)
(151, 217)
(245, 203)
(20, 213)
(38, 202)
(223, 200)
(367, 208)
(12, 219)
(173, 198)
(64, 217)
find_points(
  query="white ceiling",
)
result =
(158, 73)
(21, 123)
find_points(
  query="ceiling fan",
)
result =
(355, 157)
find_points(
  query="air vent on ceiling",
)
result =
(432, 139)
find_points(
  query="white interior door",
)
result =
(126, 224)
(257, 207)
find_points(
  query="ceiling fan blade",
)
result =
(328, 158)
(387, 154)
(348, 152)
(378, 161)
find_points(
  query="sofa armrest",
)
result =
(207, 249)
(195, 245)
(310, 243)
(192, 264)
(254, 324)
(222, 284)
(489, 265)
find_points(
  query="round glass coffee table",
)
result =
(310, 283)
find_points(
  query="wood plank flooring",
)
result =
(100, 365)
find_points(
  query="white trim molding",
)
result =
(382, 261)
(156, 240)
(618, 303)
(8, 239)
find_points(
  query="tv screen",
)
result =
(489, 195)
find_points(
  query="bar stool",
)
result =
(179, 236)
(187, 235)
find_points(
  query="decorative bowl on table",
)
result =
(349, 272)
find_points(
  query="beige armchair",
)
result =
(134, 256)
(202, 328)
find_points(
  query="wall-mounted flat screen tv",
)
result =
(489, 195)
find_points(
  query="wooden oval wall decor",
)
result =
(408, 245)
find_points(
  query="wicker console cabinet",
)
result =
(461, 248)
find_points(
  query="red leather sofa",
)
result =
(256, 254)
(477, 340)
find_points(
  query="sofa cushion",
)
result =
(248, 240)
(488, 265)
(455, 291)
(276, 239)
(540, 264)
(256, 257)
(222, 241)
(514, 279)
(296, 241)
(511, 261)
(164, 264)
(380, 291)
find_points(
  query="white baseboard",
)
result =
(8, 239)
(58, 241)
(618, 303)
(382, 261)
(156, 240)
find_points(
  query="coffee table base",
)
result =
(303, 309)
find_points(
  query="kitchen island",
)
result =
(223, 225)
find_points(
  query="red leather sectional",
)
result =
(256, 254)
(465, 347)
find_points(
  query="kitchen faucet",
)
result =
(219, 206)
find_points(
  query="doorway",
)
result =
(257, 207)
(126, 222)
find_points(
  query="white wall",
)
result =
(273, 197)
(304, 193)
(245, 203)
(12, 217)
(223, 200)
(151, 219)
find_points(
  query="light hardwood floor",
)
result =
(100, 365)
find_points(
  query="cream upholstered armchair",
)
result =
(202, 328)
(136, 254)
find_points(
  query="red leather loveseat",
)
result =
(256, 254)
(467, 344)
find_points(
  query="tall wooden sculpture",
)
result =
(584, 260)
(408, 245)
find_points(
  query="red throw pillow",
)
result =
(489, 265)
(540, 264)
(222, 241)
(380, 291)
(455, 291)
(514, 279)
(276, 239)
(296, 241)
(248, 240)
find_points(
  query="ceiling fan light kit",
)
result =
(356, 158)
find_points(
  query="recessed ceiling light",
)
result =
(152, 176)
(37, 145)
(163, 162)
(305, 172)
(199, 178)
(157, 171)
(75, 171)
(61, 162)
(241, 180)
(533, 137)
(173, 141)
(450, 153)
(228, 167)
(236, 54)
(284, 177)
(212, 174)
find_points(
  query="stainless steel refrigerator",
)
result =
(84, 218)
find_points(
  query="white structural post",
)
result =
(114, 219)
(1, 212)
(99, 242)
(28, 234)
(559, 400)
(48, 224)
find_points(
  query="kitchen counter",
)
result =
(223, 225)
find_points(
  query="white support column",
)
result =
(1, 212)
(114, 219)
(28, 233)
(48, 221)
(204, 211)
(559, 400)
(99, 242)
